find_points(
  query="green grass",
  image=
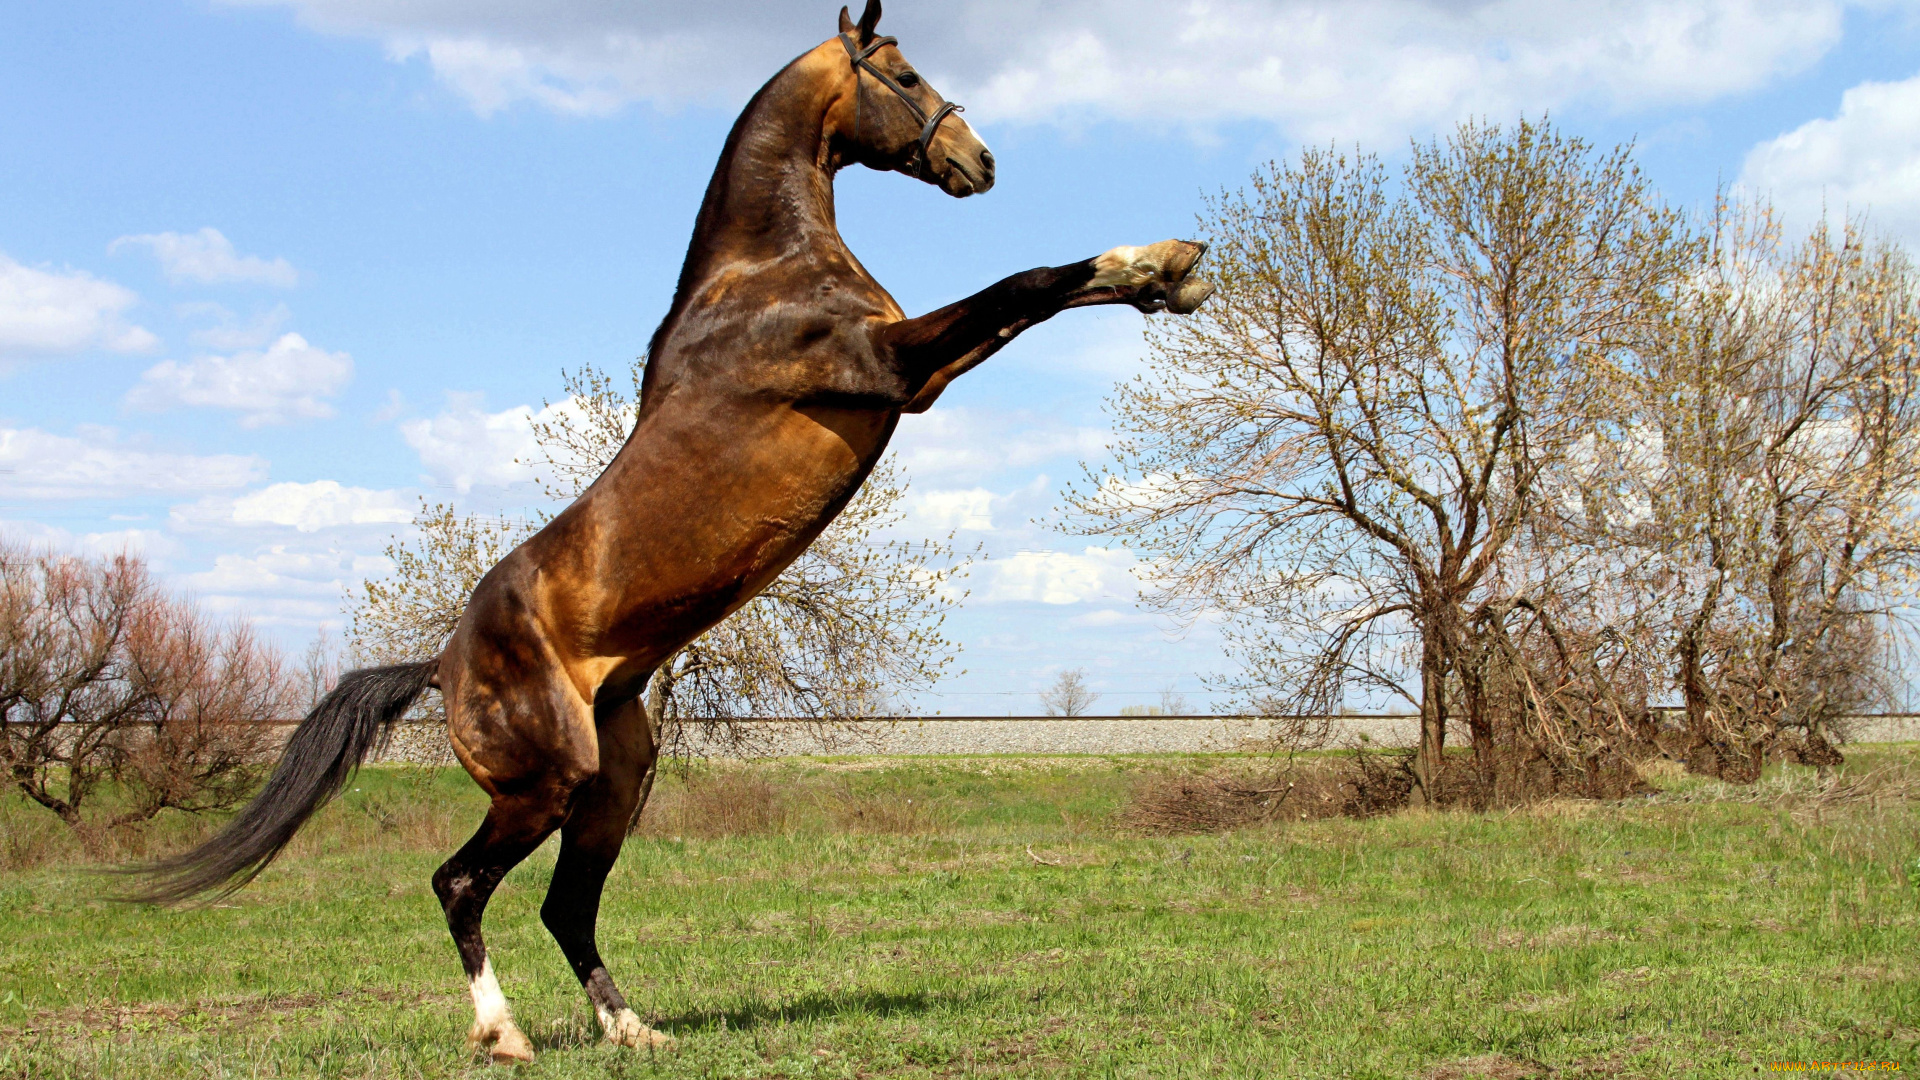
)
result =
(1680, 936)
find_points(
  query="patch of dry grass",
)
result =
(712, 803)
(1805, 789)
(740, 799)
(1489, 1067)
(1288, 790)
(400, 808)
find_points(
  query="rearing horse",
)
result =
(771, 389)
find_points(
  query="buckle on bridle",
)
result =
(930, 125)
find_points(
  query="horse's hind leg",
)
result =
(514, 827)
(589, 843)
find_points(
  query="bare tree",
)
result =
(109, 685)
(1172, 702)
(1343, 449)
(319, 669)
(1786, 398)
(852, 623)
(410, 613)
(213, 695)
(1069, 695)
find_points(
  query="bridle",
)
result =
(930, 124)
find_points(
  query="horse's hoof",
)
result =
(1176, 257)
(1131, 267)
(509, 1047)
(1186, 297)
(625, 1029)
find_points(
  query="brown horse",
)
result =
(772, 387)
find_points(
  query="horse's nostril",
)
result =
(986, 161)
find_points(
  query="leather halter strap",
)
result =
(930, 124)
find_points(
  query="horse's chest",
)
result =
(794, 348)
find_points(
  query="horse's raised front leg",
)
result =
(940, 346)
(589, 843)
(1151, 278)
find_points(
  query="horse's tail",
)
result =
(319, 758)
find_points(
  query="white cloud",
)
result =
(323, 504)
(1863, 160)
(970, 510)
(284, 383)
(283, 584)
(1319, 68)
(1110, 617)
(95, 464)
(1060, 577)
(466, 447)
(971, 445)
(228, 330)
(319, 505)
(207, 257)
(55, 313)
(279, 568)
(149, 544)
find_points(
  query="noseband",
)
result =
(930, 124)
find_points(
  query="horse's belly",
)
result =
(647, 569)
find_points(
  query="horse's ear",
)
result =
(869, 19)
(846, 22)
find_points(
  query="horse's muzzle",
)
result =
(964, 179)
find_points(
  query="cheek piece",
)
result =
(930, 124)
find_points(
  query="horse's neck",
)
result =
(772, 192)
(771, 197)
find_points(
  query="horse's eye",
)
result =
(909, 79)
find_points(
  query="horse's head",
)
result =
(890, 118)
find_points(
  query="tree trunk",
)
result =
(653, 705)
(1704, 755)
(646, 790)
(1433, 721)
(1480, 716)
(68, 808)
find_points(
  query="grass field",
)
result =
(1001, 924)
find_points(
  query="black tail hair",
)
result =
(318, 760)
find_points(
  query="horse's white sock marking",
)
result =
(625, 1028)
(1124, 265)
(490, 1016)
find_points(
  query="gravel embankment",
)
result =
(424, 743)
(1080, 735)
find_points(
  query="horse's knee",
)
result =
(451, 884)
(462, 889)
(560, 915)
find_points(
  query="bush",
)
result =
(1360, 784)
(120, 701)
(1363, 784)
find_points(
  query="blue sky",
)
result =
(271, 271)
